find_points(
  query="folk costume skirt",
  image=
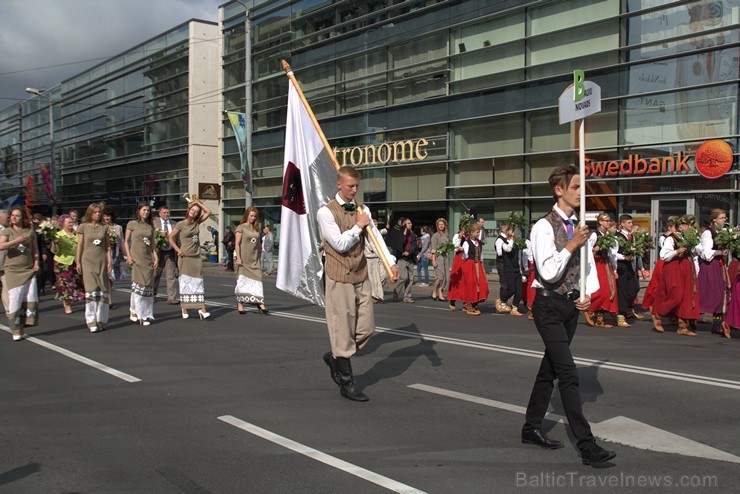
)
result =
(648, 300)
(21, 299)
(456, 278)
(474, 287)
(712, 286)
(605, 298)
(678, 295)
(192, 288)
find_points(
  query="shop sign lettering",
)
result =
(392, 152)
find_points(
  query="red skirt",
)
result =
(605, 298)
(528, 292)
(677, 295)
(474, 287)
(456, 278)
(648, 300)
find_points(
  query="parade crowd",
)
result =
(82, 259)
(696, 272)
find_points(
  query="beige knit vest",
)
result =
(350, 266)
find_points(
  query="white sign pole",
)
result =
(578, 101)
(582, 212)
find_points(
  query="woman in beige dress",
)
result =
(248, 275)
(190, 264)
(141, 255)
(20, 295)
(93, 263)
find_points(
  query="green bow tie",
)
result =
(348, 206)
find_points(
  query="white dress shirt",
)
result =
(550, 262)
(707, 246)
(503, 245)
(612, 251)
(342, 242)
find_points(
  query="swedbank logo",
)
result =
(712, 160)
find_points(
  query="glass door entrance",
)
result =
(662, 209)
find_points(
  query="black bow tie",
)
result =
(348, 206)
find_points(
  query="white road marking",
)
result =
(360, 472)
(614, 366)
(79, 358)
(620, 430)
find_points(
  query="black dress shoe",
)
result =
(540, 439)
(596, 454)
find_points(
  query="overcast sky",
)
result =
(36, 35)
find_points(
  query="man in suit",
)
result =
(167, 258)
(268, 244)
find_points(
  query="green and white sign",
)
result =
(579, 100)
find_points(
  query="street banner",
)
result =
(239, 124)
(309, 182)
(46, 180)
(30, 192)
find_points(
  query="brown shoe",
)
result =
(472, 311)
(622, 322)
(501, 307)
(726, 330)
(685, 331)
(451, 306)
(635, 315)
(530, 316)
(515, 312)
(589, 318)
(599, 322)
(173, 302)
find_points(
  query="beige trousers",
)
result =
(168, 265)
(349, 316)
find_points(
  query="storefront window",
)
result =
(683, 115)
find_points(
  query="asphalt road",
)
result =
(244, 404)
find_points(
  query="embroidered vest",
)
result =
(349, 266)
(473, 250)
(570, 278)
(508, 261)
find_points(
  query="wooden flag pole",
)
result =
(368, 229)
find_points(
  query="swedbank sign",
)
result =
(712, 160)
(382, 154)
(636, 165)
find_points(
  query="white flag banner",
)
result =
(309, 182)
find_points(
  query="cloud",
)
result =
(44, 33)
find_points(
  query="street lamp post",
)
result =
(248, 94)
(52, 167)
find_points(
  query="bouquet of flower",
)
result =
(443, 250)
(112, 236)
(643, 243)
(689, 239)
(519, 225)
(160, 239)
(465, 221)
(626, 248)
(605, 243)
(48, 231)
(727, 238)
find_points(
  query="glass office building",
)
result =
(141, 126)
(475, 84)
